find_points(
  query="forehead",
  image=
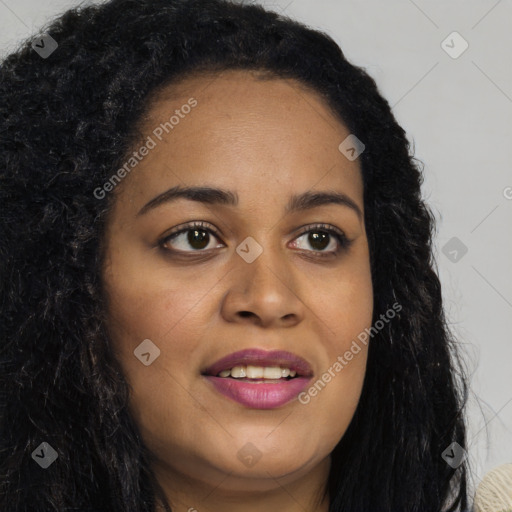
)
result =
(245, 133)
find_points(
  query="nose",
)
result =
(265, 292)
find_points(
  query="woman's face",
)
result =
(263, 278)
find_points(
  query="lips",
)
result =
(257, 357)
(259, 393)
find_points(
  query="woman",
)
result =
(301, 359)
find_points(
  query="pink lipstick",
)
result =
(260, 393)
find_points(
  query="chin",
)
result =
(267, 462)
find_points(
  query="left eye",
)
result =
(197, 236)
(318, 239)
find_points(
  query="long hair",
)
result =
(66, 123)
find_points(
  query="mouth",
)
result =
(259, 364)
(259, 379)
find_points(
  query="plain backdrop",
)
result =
(457, 111)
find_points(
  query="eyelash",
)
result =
(343, 241)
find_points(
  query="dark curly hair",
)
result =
(66, 123)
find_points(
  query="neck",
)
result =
(304, 494)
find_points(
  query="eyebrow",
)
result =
(212, 195)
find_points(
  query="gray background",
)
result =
(457, 113)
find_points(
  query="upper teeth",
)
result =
(258, 372)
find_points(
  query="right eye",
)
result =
(195, 235)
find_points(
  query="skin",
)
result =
(264, 140)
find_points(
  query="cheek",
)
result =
(164, 311)
(345, 310)
(334, 393)
(147, 301)
(344, 304)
